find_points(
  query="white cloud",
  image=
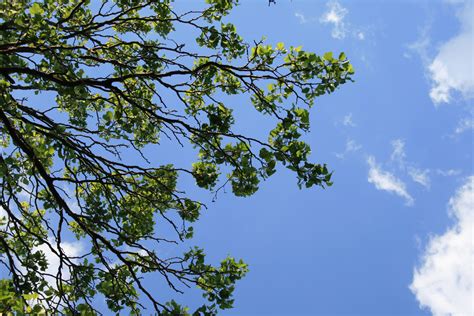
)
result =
(335, 16)
(420, 176)
(422, 45)
(449, 172)
(453, 67)
(443, 282)
(302, 18)
(347, 120)
(386, 181)
(464, 125)
(398, 156)
(3, 215)
(351, 146)
(70, 249)
(398, 153)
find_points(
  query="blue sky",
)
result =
(394, 234)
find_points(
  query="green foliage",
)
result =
(12, 303)
(113, 83)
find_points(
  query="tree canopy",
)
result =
(85, 83)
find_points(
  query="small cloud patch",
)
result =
(335, 15)
(347, 121)
(420, 176)
(386, 181)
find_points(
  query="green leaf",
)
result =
(328, 56)
(30, 296)
(108, 116)
(36, 9)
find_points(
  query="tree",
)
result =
(112, 81)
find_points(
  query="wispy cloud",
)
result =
(386, 181)
(351, 146)
(303, 18)
(347, 120)
(422, 45)
(420, 176)
(464, 125)
(449, 172)
(335, 15)
(443, 282)
(398, 154)
(398, 157)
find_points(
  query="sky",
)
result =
(394, 234)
